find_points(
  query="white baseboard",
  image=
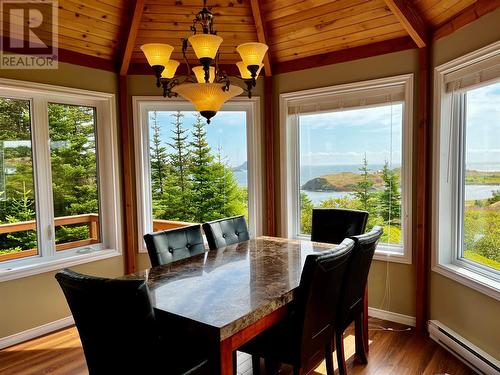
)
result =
(32, 333)
(463, 349)
(391, 316)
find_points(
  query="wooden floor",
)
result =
(393, 350)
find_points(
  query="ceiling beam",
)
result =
(132, 35)
(466, 16)
(261, 33)
(355, 53)
(409, 17)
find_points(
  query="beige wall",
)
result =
(401, 277)
(473, 315)
(35, 300)
(144, 85)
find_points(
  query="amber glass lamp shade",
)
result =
(207, 98)
(252, 53)
(205, 45)
(244, 72)
(170, 69)
(157, 53)
(200, 74)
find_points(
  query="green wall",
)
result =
(472, 314)
(401, 277)
(35, 300)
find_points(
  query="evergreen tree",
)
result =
(390, 197)
(203, 180)
(363, 190)
(22, 209)
(159, 158)
(179, 158)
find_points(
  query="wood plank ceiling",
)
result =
(294, 28)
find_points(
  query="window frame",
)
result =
(143, 104)
(48, 259)
(289, 158)
(448, 169)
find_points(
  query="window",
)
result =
(58, 204)
(194, 172)
(467, 218)
(349, 147)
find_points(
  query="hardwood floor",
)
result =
(393, 350)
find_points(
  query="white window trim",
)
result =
(110, 197)
(444, 257)
(143, 104)
(289, 160)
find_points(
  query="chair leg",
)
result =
(329, 359)
(271, 366)
(297, 371)
(360, 339)
(255, 365)
(339, 348)
(235, 363)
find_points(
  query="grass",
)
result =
(482, 178)
(470, 255)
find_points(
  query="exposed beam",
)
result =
(132, 35)
(423, 196)
(411, 20)
(466, 16)
(369, 50)
(261, 33)
(129, 212)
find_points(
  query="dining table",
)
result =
(226, 297)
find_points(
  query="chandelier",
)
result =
(207, 86)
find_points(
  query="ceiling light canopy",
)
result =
(206, 86)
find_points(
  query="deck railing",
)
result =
(91, 220)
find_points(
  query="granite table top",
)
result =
(233, 287)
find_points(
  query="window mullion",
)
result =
(41, 156)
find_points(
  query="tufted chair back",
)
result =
(225, 232)
(332, 225)
(115, 320)
(170, 245)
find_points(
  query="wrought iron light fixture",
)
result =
(207, 86)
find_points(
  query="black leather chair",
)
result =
(225, 232)
(119, 331)
(170, 245)
(305, 337)
(352, 298)
(332, 225)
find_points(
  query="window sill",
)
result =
(17, 271)
(470, 279)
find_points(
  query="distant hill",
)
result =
(344, 181)
(242, 167)
(473, 177)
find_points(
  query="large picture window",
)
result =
(348, 147)
(194, 172)
(58, 204)
(467, 170)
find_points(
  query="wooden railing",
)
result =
(91, 220)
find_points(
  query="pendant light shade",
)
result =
(170, 69)
(157, 53)
(207, 98)
(205, 45)
(200, 74)
(244, 72)
(252, 53)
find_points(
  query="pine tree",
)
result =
(390, 197)
(159, 158)
(363, 190)
(202, 178)
(179, 158)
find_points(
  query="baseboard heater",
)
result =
(463, 349)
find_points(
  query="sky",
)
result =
(226, 130)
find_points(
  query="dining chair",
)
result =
(332, 225)
(119, 331)
(304, 338)
(352, 299)
(170, 245)
(225, 232)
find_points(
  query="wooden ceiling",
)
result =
(294, 29)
